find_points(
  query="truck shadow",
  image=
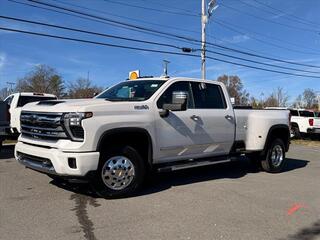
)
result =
(158, 182)
(233, 170)
(307, 233)
(7, 152)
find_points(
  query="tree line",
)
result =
(278, 98)
(46, 79)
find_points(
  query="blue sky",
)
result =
(19, 52)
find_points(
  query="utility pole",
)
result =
(204, 20)
(205, 15)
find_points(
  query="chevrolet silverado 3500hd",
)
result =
(138, 125)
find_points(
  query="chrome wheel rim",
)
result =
(118, 172)
(277, 156)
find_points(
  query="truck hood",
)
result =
(66, 105)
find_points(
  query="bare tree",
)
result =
(278, 98)
(82, 88)
(298, 103)
(309, 97)
(235, 89)
(42, 79)
(282, 97)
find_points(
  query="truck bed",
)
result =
(252, 126)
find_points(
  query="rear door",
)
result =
(215, 115)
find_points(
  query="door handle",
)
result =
(195, 117)
(228, 117)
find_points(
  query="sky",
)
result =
(245, 25)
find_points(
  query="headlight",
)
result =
(73, 124)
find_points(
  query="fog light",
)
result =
(72, 162)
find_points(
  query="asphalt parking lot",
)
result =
(229, 201)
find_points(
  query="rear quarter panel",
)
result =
(252, 126)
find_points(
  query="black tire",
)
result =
(273, 151)
(139, 168)
(296, 132)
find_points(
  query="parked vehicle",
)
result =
(10, 110)
(17, 100)
(304, 122)
(4, 121)
(136, 126)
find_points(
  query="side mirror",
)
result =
(179, 103)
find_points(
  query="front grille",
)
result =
(42, 125)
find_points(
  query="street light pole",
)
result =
(204, 20)
(205, 15)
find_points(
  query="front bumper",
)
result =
(56, 162)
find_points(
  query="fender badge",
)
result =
(142, 107)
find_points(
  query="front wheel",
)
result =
(120, 173)
(274, 159)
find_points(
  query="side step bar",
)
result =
(191, 164)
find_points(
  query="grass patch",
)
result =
(9, 141)
(309, 143)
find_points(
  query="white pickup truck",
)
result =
(149, 124)
(304, 122)
(10, 110)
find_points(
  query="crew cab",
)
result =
(142, 125)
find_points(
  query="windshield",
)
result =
(133, 90)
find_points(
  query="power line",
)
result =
(152, 9)
(151, 50)
(146, 22)
(133, 19)
(90, 32)
(272, 12)
(173, 35)
(261, 63)
(100, 21)
(288, 14)
(268, 20)
(128, 18)
(94, 42)
(234, 28)
(146, 42)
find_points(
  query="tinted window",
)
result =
(23, 100)
(306, 114)
(133, 90)
(166, 97)
(294, 113)
(208, 96)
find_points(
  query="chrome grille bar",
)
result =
(43, 125)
